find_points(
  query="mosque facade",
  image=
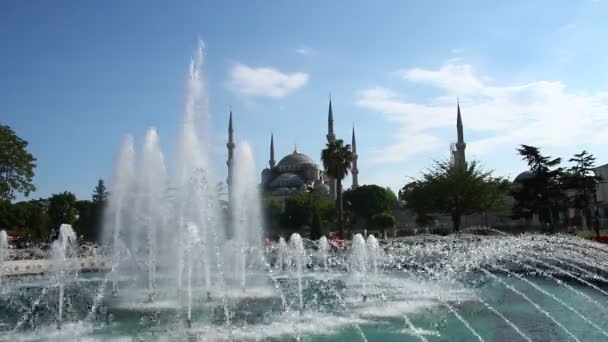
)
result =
(295, 172)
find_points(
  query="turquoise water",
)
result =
(334, 311)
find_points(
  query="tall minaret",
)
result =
(354, 169)
(230, 145)
(459, 156)
(272, 162)
(331, 137)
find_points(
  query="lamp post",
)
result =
(596, 214)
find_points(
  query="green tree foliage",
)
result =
(16, 165)
(31, 219)
(316, 227)
(299, 209)
(337, 161)
(383, 221)
(100, 194)
(94, 212)
(541, 194)
(493, 197)
(62, 209)
(418, 198)
(8, 220)
(88, 220)
(581, 179)
(452, 190)
(369, 200)
(272, 212)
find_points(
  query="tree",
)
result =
(35, 218)
(62, 209)
(383, 221)
(300, 207)
(541, 194)
(272, 212)
(92, 223)
(316, 227)
(99, 193)
(456, 191)
(88, 220)
(337, 160)
(493, 196)
(417, 197)
(8, 221)
(582, 180)
(16, 165)
(369, 200)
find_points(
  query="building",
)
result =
(602, 193)
(458, 155)
(573, 216)
(295, 172)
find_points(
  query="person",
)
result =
(337, 242)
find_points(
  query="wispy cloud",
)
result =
(454, 77)
(306, 51)
(542, 112)
(264, 81)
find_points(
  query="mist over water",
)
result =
(246, 198)
(153, 217)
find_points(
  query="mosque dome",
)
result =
(518, 182)
(524, 176)
(296, 158)
(287, 180)
(322, 189)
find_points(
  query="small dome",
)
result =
(524, 176)
(296, 158)
(322, 189)
(282, 191)
(287, 180)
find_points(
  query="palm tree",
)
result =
(337, 160)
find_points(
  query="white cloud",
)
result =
(305, 50)
(452, 77)
(264, 81)
(543, 113)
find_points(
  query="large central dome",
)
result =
(296, 158)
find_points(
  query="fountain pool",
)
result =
(426, 288)
(180, 266)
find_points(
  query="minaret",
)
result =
(272, 162)
(230, 145)
(354, 169)
(459, 156)
(331, 137)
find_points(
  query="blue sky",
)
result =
(76, 76)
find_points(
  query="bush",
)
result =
(383, 221)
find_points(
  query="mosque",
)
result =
(295, 172)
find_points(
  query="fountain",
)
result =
(176, 255)
(193, 242)
(246, 212)
(358, 255)
(282, 254)
(373, 252)
(3, 251)
(297, 250)
(323, 251)
(62, 253)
